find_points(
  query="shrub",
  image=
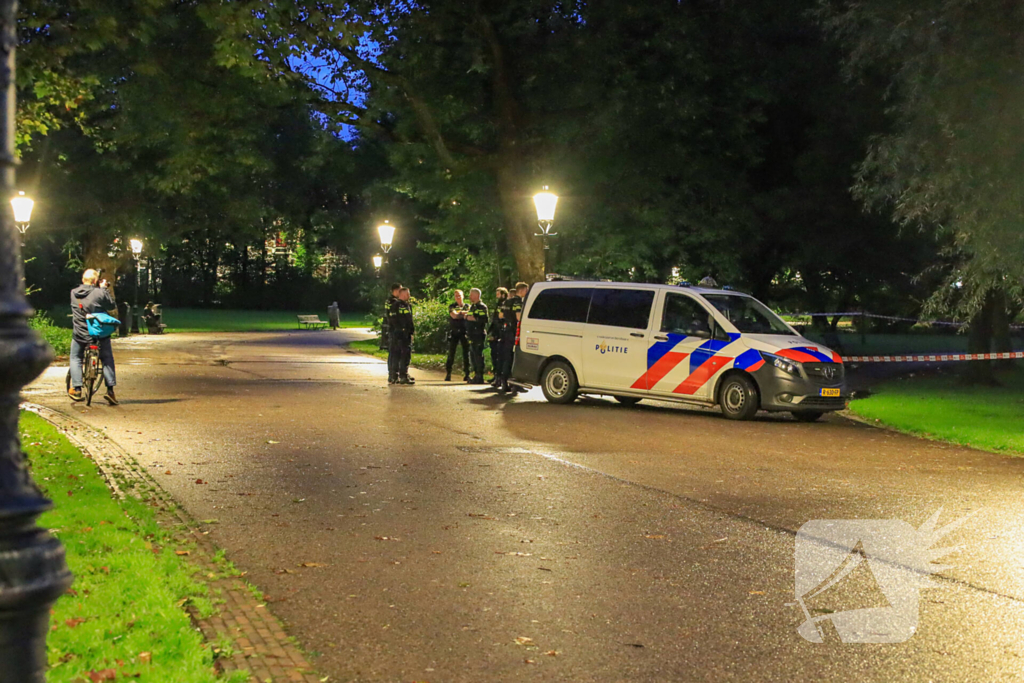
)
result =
(57, 337)
(430, 316)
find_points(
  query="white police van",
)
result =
(668, 342)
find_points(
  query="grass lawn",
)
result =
(434, 361)
(232, 320)
(123, 616)
(939, 407)
(227, 320)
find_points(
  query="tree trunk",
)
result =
(263, 259)
(1001, 341)
(97, 256)
(520, 226)
(243, 267)
(979, 340)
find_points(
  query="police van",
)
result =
(669, 342)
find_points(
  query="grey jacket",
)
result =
(87, 299)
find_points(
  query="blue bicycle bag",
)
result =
(101, 325)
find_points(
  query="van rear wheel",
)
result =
(559, 383)
(738, 397)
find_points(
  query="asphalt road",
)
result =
(468, 537)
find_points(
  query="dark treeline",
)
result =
(786, 148)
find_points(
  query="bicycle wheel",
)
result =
(89, 375)
(97, 382)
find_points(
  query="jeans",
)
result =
(106, 355)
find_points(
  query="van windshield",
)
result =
(748, 315)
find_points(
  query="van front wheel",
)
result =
(559, 383)
(738, 397)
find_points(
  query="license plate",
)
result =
(830, 392)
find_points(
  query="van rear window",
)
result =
(565, 304)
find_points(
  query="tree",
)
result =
(954, 160)
(171, 146)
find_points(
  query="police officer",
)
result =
(457, 336)
(511, 313)
(403, 335)
(494, 332)
(476, 324)
(388, 332)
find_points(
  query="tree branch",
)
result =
(428, 124)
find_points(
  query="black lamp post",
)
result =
(33, 573)
(136, 250)
(545, 202)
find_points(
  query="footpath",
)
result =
(257, 643)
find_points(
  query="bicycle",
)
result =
(92, 372)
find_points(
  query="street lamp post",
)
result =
(33, 573)
(545, 202)
(386, 232)
(136, 250)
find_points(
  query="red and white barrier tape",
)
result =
(934, 357)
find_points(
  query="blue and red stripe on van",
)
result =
(809, 354)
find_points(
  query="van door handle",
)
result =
(660, 337)
(637, 334)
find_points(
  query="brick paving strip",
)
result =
(260, 645)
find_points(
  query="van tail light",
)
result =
(519, 328)
(94, 348)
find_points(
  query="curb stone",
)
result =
(259, 644)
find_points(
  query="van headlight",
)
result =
(786, 365)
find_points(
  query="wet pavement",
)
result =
(444, 533)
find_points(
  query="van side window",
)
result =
(565, 304)
(621, 308)
(685, 316)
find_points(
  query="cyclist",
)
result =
(85, 300)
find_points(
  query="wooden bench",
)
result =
(311, 322)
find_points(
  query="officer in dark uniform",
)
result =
(494, 332)
(476, 324)
(404, 332)
(511, 313)
(457, 336)
(387, 332)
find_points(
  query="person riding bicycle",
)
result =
(86, 300)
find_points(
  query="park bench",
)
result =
(154, 317)
(311, 322)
